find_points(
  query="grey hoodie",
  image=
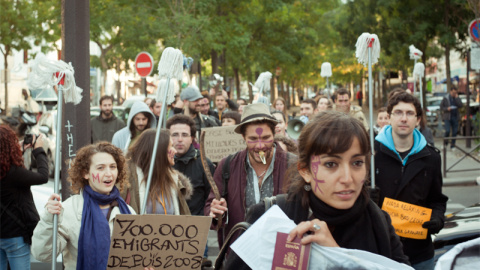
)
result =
(122, 138)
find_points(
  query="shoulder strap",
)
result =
(226, 174)
(241, 226)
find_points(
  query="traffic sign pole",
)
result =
(144, 67)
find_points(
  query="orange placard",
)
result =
(407, 219)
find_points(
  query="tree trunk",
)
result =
(200, 74)
(215, 63)
(118, 84)
(250, 89)
(103, 62)
(224, 64)
(273, 89)
(292, 97)
(237, 82)
(5, 65)
(447, 45)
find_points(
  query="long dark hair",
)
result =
(10, 152)
(329, 132)
(141, 151)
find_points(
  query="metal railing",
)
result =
(465, 154)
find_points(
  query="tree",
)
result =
(25, 23)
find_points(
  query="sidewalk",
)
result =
(456, 178)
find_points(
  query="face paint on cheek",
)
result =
(315, 163)
(96, 177)
(171, 154)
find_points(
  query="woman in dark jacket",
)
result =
(329, 180)
(18, 214)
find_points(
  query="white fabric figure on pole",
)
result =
(169, 67)
(45, 74)
(419, 72)
(362, 45)
(368, 52)
(263, 82)
(326, 72)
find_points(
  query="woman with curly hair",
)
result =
(18, 213)
(169, 189)
(85, 220)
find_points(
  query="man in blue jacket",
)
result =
(409, 170)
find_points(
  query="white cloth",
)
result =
(464, 256)
(262, 235)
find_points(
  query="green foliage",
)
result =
(252, 35)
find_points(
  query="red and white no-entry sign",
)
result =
(144, 64)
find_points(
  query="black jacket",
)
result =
(419, 182)
(346, 236)
(191, 166)
(18, 214)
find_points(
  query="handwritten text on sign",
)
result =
(159, 241)
(221, 142)
(407, 219)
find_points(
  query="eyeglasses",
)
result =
(400, 114)
(203, 105)
(183, 135)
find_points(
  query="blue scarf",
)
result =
(94, 240)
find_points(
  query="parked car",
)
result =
(47, 98)
(132, 99)
(459, 227)
(119, 111)
(433, 108)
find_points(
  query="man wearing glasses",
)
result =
(187, 161)
(409, 170)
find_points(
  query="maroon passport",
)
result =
(290, 255)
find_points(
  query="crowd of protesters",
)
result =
(324, 174)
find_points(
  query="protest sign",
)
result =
(159, 241)
(221, 142)
(407, 219)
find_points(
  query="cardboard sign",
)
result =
(221, 142)
(407, 219)
(159, 241)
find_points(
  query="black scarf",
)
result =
(336, 217)
(361, 227)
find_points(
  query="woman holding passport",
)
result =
(326, 192)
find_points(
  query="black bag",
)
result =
(280, 200)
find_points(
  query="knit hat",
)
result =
(190, 93)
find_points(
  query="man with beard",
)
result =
(223, 104)
(106, 124)
(191, 100)
(254, 173)
(205, 109)
(342, 104)
(140, 119)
